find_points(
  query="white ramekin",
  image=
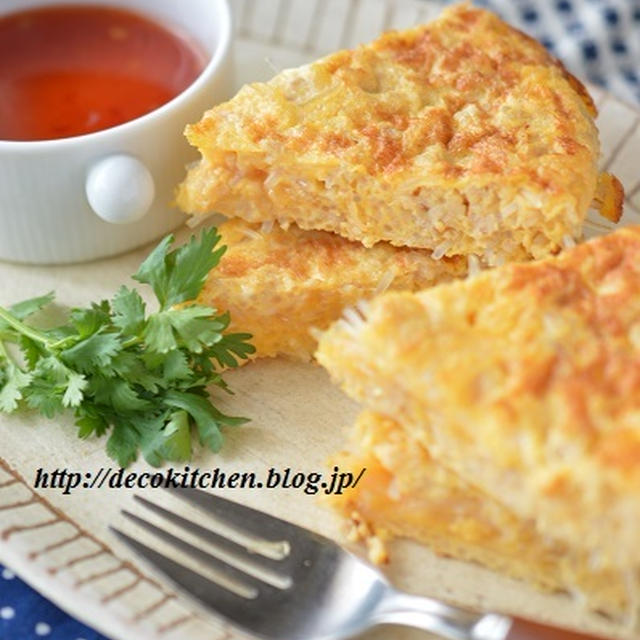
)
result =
(128, 173)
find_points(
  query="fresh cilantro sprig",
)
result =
(142, 378)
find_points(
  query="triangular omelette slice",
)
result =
(525, 381)
(462, 136)
(280, 285)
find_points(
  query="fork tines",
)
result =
(245, 565)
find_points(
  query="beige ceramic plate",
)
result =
(61, 545)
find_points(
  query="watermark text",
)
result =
(333, 482)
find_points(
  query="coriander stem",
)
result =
(131, 342)
(22, 328)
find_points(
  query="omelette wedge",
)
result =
(462, 136)
(524, 381)
(280, 285)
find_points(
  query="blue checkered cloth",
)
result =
(597, 40)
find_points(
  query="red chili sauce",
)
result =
(68, 70)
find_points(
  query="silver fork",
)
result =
(279, 581)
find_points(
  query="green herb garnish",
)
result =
(143, 378)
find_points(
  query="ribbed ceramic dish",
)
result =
(60, 543)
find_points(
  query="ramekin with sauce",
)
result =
(93, 104)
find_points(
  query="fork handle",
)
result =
(454, 623)
(527, 630)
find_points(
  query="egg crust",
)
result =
(525, 381)
(462, 136)
(405, 492)
(279, 285)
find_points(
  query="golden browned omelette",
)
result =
(279, 285)
(462, 136)
(406, 492)
(524, 381)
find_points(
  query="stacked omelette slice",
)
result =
(453, 144)
(503, 419)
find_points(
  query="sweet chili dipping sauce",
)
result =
(68, 70)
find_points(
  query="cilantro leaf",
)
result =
(128, 311)
(76, 384)
(192, 327)
(129, 366)
(194, 261)
(12, 389)
(156, 270)
(176, 366)
(89, 321)
(233, 348)
(158, 333)
(116, 394)
(167, 441)
(26, 308)
(123, 443)
(48, 385)
(179, 276)
(42, 398)
(207, 418)
(90, 422)
(196, 327)
(96, 351)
